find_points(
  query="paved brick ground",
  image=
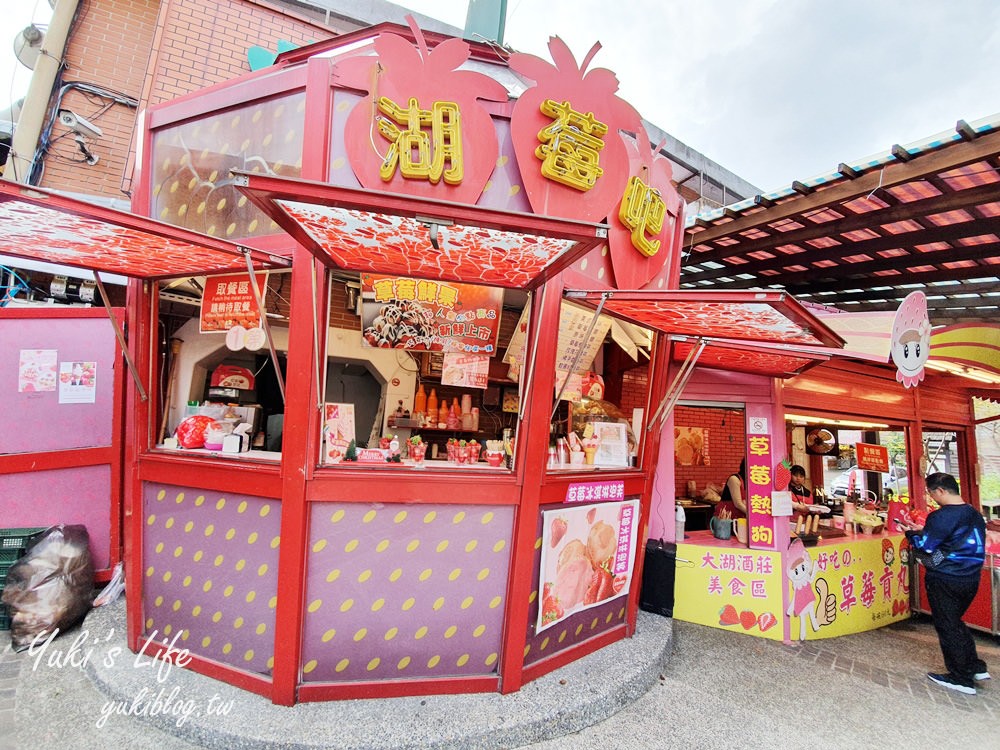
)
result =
(10, 671)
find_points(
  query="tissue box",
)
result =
(235, 443)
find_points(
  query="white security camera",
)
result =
(78, 124)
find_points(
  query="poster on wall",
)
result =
(77, 382)
(465, 370)
(338, 430)
(229, 302)
(588, 555)
(36, 370)
(423, 315)
(691, 446)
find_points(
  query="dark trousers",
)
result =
(950, 597)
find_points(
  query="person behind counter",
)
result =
(951, 547)
(801, 496)
(732, 495)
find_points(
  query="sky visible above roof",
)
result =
(772, 90)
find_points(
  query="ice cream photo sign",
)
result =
(911, 339)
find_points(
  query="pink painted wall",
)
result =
(78, 495)
(36, 421)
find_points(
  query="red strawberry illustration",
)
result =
(728, 615)
(766, 621)
(557, 531)
(619, 582)
(551, 609)
(747, 619)
(601, 584)
(782, 475)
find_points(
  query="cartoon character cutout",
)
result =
(888, 552)
(911, 339)
(811, 600)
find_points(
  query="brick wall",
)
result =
(726, 445)
(153, 51)
(109, 47)
(635, 389)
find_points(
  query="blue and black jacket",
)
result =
(952, 541)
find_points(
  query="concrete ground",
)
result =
(674, 685)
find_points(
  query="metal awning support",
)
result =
(121, 337)
(579, 352)
(673, 393)
(263, 321)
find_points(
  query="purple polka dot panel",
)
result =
(401, 591)
(211, 572)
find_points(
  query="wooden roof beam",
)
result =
(950, 200)
(950, 157)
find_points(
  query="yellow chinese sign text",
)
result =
(642, 211)
(420, 155)
(570, 147)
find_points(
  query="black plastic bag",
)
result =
(51, 586)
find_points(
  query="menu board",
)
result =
(465, 370)
(574, 322)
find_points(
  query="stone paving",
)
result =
(10, 672)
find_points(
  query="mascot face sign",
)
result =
(911, 339)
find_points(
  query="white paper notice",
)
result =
(781, 503)
(77, 382)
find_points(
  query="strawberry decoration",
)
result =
(766, 621)
(728, 615)
(747, 619)
(557, 531)
(782, 475)
(634, 268)
(401, 72)
(587, 92)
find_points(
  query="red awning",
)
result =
(773, 360)
(368, 231)
(759, 316)
(41, 225)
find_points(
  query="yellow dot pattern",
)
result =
(191, 567)
(190, 191)
(411, 592)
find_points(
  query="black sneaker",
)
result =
(951, 682)
(981, 676)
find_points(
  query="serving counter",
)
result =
(839, 586)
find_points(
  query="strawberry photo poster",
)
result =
(588, 555)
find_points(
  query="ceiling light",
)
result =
(805, 419)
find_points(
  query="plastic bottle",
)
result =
(420, 400)
(443, 414)
(679, 519)
(454, 420)
(432, 403)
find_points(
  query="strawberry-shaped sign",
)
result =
(420, 130)
(645, 233)
(565, 131)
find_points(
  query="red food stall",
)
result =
(307, 574)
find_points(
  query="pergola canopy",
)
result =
(367, 231)
(40, 225)
(924, 216)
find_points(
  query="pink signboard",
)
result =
(585, 492)
(760, 482)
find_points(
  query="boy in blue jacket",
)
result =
(951, 547)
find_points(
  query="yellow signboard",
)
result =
(824, 591)
(732, 588)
